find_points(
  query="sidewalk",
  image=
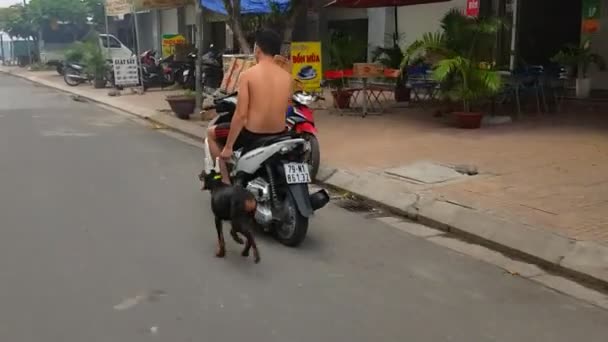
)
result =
(541, 191)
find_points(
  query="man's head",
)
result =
(267, 44)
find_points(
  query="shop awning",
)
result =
(378, 3)
(247, 6)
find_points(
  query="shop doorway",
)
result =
(545, 26)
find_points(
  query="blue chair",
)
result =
(420, 81)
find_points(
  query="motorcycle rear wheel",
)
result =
(71, 81)
(292, 231)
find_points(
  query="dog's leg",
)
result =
(251, 244)
(236, 237)
(221, 244)
(245, 252)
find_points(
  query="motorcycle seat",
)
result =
(266, 141)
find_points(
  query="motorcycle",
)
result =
(75, 74)
(212, 70)
(299, 119)
(275, 172)
(155, 74)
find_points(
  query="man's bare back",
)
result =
(269, 88)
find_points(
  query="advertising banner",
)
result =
(170, 41)
(115, 8)
(591, 16)
(159, 4)
(126, 71)
(472, 8)
(307, 68)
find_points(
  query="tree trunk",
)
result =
(233, 8)
(298, 7)
(240, 37)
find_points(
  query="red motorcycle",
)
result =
(300, 118)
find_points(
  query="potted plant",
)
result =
(460, 53)
(95, 64)
(182, 105)
(578, 59)
(394, 58)
(344, 51)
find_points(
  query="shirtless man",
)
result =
(263, 95)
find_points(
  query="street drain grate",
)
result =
(357, 206)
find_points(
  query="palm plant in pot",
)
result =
(344, 52)
(460, 53)
(578, 59)
(95, 64)
(182, 105)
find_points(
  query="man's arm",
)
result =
(239, 120)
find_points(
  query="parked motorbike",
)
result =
(299, 119)
(187, 73)
(275, 172)
(75, 74)
(155, 74)
(212, 70)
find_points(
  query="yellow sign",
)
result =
(170, 41)
(307, 68)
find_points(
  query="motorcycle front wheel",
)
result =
(292, 230)
(70, 80)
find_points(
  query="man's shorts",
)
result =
(245, 138)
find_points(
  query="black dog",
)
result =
(235, 204)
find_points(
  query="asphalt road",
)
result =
(105, 236)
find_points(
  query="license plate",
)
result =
(297, 173)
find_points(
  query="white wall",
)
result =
(345, 13)
(378, 30)
(416, 20)
(599, 45)
(190, 15)
(169, 22)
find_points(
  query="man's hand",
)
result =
(226, 153)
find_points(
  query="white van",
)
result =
(54, 54)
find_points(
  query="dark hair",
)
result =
(269, 42)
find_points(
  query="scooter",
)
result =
(275, 172)
(299, 119)
(75, 74)
(212, 70)
(155, 74)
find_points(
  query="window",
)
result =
(114, 44)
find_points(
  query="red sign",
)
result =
(472, 8)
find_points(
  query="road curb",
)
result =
(584, 261)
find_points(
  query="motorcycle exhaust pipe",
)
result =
(319, 199)
(77, 77)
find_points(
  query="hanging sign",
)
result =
(126, 71)
(115, 8)
(472, 8)
(306, 64)
(160, 4)
(591, 16)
